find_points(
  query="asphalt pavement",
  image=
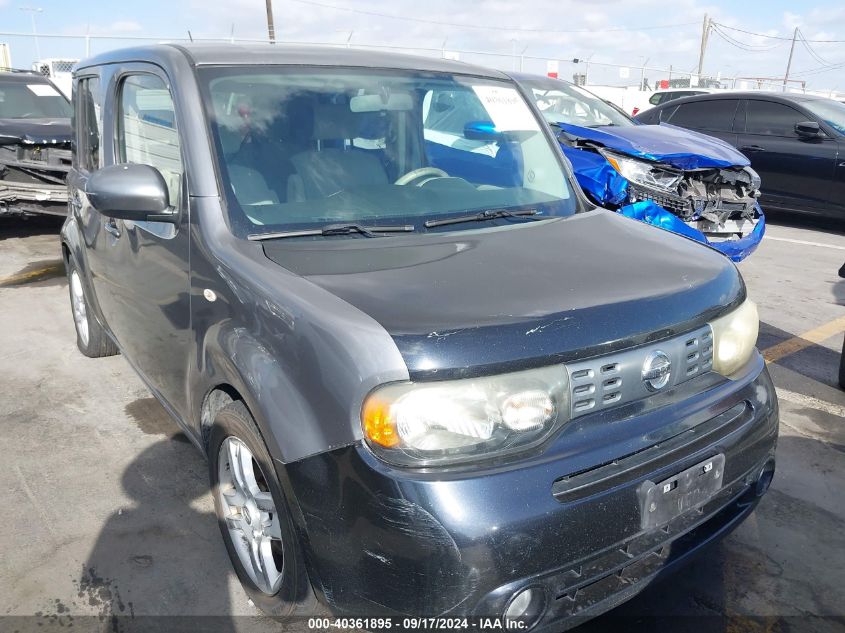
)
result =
(107, 517)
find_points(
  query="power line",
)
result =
(334, 7)
(817, 70)
(742, 45)
(812, 52)
(775, 37)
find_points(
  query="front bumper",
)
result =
(736, 248)
(23, 198)
(386, 541)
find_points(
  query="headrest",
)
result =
(335, 122)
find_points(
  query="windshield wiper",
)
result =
(334, 229)
(489, 214)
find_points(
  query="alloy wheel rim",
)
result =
(250, 515)
(80, 312)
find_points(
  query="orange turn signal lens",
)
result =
(614, 163)
(379, 427)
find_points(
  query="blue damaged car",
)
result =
(682, 181)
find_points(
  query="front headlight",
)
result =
(644, 173)
(734, 337)
(755, 178)
(423, 424)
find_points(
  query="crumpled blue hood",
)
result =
(664, 143)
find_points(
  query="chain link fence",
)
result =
(625, 77)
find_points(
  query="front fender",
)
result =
(302, 358)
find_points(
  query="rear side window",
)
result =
(655, 98)
(771, 119)
(89, 121)
(715, 115)
(146, 129)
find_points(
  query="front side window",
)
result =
(830, 111)
(771, 119)
(89, 121)
(716, 115)
(300, 149)
(146, 130)
(32, 100)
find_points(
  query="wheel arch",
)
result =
(214, 400)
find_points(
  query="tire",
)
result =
(234, 427)
(91, 338)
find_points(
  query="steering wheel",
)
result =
(421, 172)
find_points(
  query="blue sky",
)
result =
(599, 22)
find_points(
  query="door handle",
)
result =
(111, 227)
(752, 148)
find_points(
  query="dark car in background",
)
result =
(684, 182)
(35, 153)
(429, 376)
(795, 142)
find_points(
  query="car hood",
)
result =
(663, 143)
(472, 301)
(35, 131)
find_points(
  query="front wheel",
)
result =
(253, 516)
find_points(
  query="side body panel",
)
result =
(797, 174)
(302, 359)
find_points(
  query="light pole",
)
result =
(271, 28)
(32, 12)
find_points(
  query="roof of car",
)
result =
(286, 54)
(763, 95)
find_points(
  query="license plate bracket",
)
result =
(681, 493)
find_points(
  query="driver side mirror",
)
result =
(131, 192)
(808, 129)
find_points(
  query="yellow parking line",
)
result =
(797, 343)
(30, 275)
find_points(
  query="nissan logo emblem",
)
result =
(657, 370)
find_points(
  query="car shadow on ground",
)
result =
(15, 226)
(810, 222)
(814, 362)
(160, 565)
(760, 578)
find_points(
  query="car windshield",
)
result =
(36, 100)
(829, 111)
(307, 148)
(561, 102)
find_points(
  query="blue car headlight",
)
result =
(644, 173)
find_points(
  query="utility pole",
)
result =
(642, 74)
(271, 30)
(705, 33)
(789, 61)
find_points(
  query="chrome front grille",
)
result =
(609, 381)
(699, 354)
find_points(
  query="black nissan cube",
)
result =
(429, 377)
